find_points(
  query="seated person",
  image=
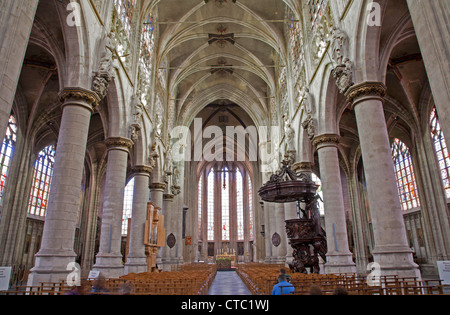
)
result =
(283, 286)
(283, 272)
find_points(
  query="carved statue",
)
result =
(344, 76)
(168, 163)
(310, 126)
(153, 156)
(105, 72)
(343, 73)
(339, 43)
(138, 109)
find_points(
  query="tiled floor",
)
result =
(228, 283)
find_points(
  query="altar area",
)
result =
(226, 259)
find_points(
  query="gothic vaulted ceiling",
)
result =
(220, 50)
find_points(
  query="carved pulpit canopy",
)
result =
(287, 186)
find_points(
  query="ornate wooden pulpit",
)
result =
(305, 234)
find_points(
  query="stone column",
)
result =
(391, 246)
(268, 230)
(157, 196)
(64, 199)
(279, 230)
(109, 259)
(136, 259)
(430, 19)
(170, 224)
(339, 257)
(16, 22)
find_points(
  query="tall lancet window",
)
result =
(127, 206)
(251, 213)
(240, 205)
(404, 171)
(225, 208)
(316, 8)
(441, 150)
(125, 11)
(211, 205)
(147, 47)
(7, 153)
(296, 44)
(42, 178)
(200, 206)
(225, 205)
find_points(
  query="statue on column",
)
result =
(309, 124)
(343, 73)
(105, 72)
(289, 134)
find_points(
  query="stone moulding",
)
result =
(366, 89)
(118, 142)
(161, 186)
(80, 94)
(326, 140)
(142, 169)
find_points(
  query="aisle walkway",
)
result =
(228, 283)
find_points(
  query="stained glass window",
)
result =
(225, 215)
(226, 205)
(147, 46)
(7, 153)
(240, 205)
(43, 171)
(211, 206)
(127, 206)
(441, 150)
(200, 206)
(296, 44)
(404, 171)
(316, 8)
(250, 208)
(125, 10)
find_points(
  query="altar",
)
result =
(226, 259)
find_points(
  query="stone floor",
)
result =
(228, 283)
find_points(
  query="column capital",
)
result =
(142, 170)
(161, 186)
(326, 140)
(168, 197)
(302, 167)
(119, 143)
(366, 90)
(89, 98)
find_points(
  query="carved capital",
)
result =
(302, 167)
(161, 186)
(142, 169)
(168, 197)
(366, 90)
(119, 143)
(79, 96)
(325, 140)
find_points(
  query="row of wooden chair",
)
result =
(189, 280)
(261, 278)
